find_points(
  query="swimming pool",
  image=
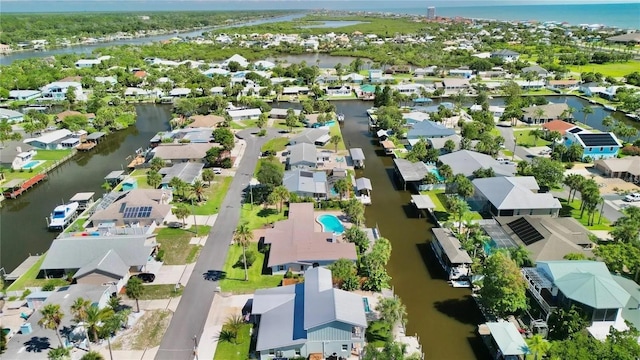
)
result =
(435, 172)
(31, 164)
(365, 302)
(331, 223)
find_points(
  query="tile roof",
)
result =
(558, 125)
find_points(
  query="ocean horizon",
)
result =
(620, 15)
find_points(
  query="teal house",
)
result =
(595, 145)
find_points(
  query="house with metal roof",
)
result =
(296, 246)
(135, 207)
(306, 183)
(506, 55)
(316, 136)
(466, 162)
(11, 116)
(309, 319)
(10, 151)
(52, 140)
(585, 283)
(182, 152)
(455, 261)
(510, 196)
(303, 156)
(595, 145)
(188, 172)
(244, 114)
(627, 168)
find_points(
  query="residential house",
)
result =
(466, 162)
(244, 114)
(627, 168)
(408, 89)
(295, 90)
(241, 60)
(211, 72)
(410, 173)
(263, 65)
(187, 172)
(57, 90)
(302, 155)
(139, 207)
(455, 84)
(455, 261)
(587, 284)
(87, 63)
(53, 140)
(106, 80)
(296, 246)
(461, 73)
(316, 136)
(595, 145)
(558, 125)
(309, 319)
(375, 76)
(414, 117)
(354, 78)
(205, 121)
(591, 88)
(282, 113)
(537, 70)
(428, 71)
(438, 143)
(180, 92)
(563, 84)
(546, 238)
(306, 183)
(176, 153)
(509, 196)
(428, 129)
(15, 154)
(496, 111)
(506, 55)
(24, 95)
(531, 85)
(540, 114)
(11, 116)
(343, 90)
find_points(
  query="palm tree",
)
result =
(281, 194)
(79, 312)
(208, 175)
(92, 355)
(536, 133)
(59, 353)
(134, 290)
(115, 302)
(538, 346)
(95, 316)
(198, 189)
(51, 319)
(521, 256)
(106, 186)
(154, 179)
(445, 171)
(392, 310)
(574, 182)
(181, 212)
(177, 185)
(157, 163)
(459, 208)
(335, 140)
(242, 236)
(608, 122)
(586, 110)
(109, 327)
(342, 187)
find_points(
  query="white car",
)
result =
(632, 197)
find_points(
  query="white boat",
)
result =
(460, 283)
(62, 216)
(609, 107)
(340, 117)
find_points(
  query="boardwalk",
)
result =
(16, 188)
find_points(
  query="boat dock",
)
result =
(16, 187)
(22, 268)
(137, 161)
(91, 141)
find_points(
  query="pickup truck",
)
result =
(632, 197)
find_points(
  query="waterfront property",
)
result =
(503, 340)
(541, 114)
(140, 207)
(585, 283)
(363, 190)
(24, 95)
(57, 91)
(357, 157)
(455, 261)
(331, 223)
(15, 154)
(428, 129)
(627, 168)
(316, 136)
(205, 121)
(295, 246)
(438, 143)
(509, 196)
(466, 162)
(177, 153)
(410, 173)
(302, 156)
(84, 199)
(595, 145)
(115, 177)
(244, 114)
(506, 55)
(558, 125)
(54, 140)
(305, 183)
(11, 116)
(187, 172)
(309, 320)
(388, 146)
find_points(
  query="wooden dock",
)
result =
(86, 146)
(22, 268)
(139, 160)
(15, 188)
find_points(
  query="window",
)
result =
(280, 267)
(345, 347)
(272, 352)
(297, 352)
(611, 148)
(601, 148)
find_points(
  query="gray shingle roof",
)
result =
(451, 246)
(110, 263)
(411, 171)
(310, 136)
(466, 162)
(77, 252)
(9, 150)
(299, 180)
(302, 153)
(186, 151)
(429, 129)
(187, 172)
(506, 193)
(551, 111)
(288, 312)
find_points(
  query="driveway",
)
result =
(189, 319)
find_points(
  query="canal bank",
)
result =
(23, 228)
(444, 318)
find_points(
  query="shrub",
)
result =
(25, 293)
(587, 159)
(288, 274)
(226, 163)
(631, 150)
(262, 132)
(48, 286)
(160, 255)
(569, 166)
(250, 256)
(265, 248)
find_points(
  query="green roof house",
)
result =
(586, 284)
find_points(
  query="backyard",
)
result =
(441, 213)
(275, 145)
(335, 130)
(49, 156)
(28, 279)
(233, 280)
(176, 247)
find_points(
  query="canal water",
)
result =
(23, 228)
(444, 318)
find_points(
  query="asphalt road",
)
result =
(509, 144)
(189, 319)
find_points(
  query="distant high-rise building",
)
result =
(431, 12)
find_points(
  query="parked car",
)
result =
(632, 197)
(175, 225)
(146, 277)
(217, 170)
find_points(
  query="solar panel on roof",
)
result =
(525, 231)
(130, 212)
(575, 130)
(122, 207)
(597, 139)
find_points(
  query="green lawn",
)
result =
(234, 276)
(28, 279)
(335, 130)
(275, 145)
(258, 217)
(235, 125)
(613, 69)
(141, 177)
(215, 195)
(378, 333)
(524, 138)
(281, 124)
(175, 243)
(165, 291)
(441, 213)
(264, 160)
(51, 154)
(237, 350)
(573, 210)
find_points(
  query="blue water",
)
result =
(331, 223)
(622, 15)
(435, 172)
(332, 24)
(333, 192)
(31, 164)
(365, 302)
